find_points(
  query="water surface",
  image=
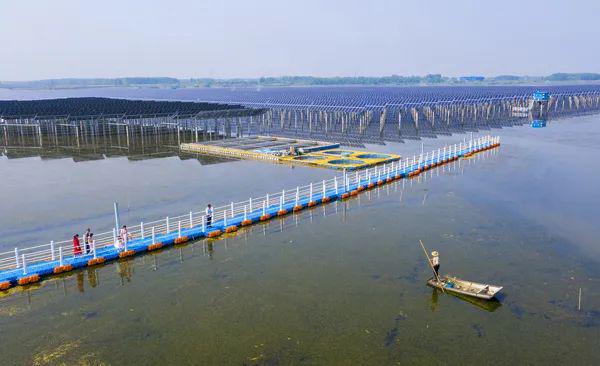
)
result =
(339, 284)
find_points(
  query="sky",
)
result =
(41, 39)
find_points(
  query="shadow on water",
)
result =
(488, 305)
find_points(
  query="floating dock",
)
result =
(342, 159)
(25, 266)
(307, 152)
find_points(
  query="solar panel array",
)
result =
(90, 106)
(350, 98)
(354, 115)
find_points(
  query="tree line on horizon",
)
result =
(392, 80)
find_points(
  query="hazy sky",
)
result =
(245, 38)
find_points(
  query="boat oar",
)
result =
(430, 264)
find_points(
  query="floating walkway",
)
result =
(29, 265)
(310, 152)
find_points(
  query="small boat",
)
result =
(463, 287)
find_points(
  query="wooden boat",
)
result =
(463, 287)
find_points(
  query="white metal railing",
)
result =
(61, 250)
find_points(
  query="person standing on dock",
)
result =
(435, 261)
(209, 215)
(86, 240)
(123, 235)
(90, 244)
(76, 245)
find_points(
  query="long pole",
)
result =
(116, 208)
(430, 265)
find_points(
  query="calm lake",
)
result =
(341, 284)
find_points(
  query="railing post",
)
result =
(297, 195)
(281, 203)
(283, 196)
(191, 219)
(52, 250)
(24, 264)
(225, 218)
(250, 204)
(60, 256)
(94, 249)
(324, 188)
(179, 229)
(310, 192)
(267, 199)
(125, 243)
(17, 257)
(142, 229)
(264, 208)
(232, 209)
(335, 185)
(168, 229)
(245, 213)
(114, 236)
(153, 236)
(203, 223)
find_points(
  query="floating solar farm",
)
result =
(350, 116)
(354, 115)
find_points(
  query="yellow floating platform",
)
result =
(341, 159)
(307, 152)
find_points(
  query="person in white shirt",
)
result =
(209, 215)
(435, 261)
(124, 236)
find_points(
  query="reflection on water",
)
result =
(434, 299)
(96, 140)
(489, 305)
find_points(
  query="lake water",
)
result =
(340, 284)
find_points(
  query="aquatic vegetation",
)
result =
(50, 356)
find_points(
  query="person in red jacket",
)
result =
(76, 245)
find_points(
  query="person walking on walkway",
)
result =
(435, 261)
(209, 215)
(76, 245)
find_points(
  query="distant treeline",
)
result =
(88, 83)
(430, 79)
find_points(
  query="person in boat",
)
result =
(435, 262)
